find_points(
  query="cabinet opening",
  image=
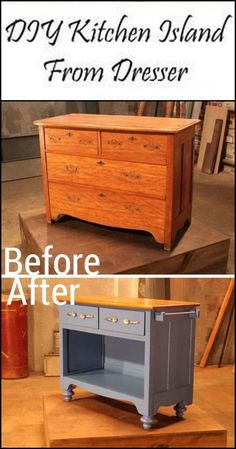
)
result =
(100, 363)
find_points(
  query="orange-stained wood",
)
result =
(44, 173)
(121, 171)
(73, 140)
(118, 123)
(132, 303)
(179, 183)
(126, 176)
(149, 148)
(109, 208)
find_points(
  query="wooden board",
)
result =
(197, 105)
(51, 365)
(212, 113)
(201, 250)
(121, 122)
(212, 148)
(132, 303)
(94, 421)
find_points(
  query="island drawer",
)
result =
(83, 316)
(125, 321)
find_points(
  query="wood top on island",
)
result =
(118, 123)
(130, 303)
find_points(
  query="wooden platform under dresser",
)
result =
(121, 171)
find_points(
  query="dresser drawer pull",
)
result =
(132, 139)
(101, 195)
(72, 168)
(127, 321)
(85, 316)
(73, 198)
(72, 314)
(114, 142)
(54, 139)
(111, 319)
(85, 141)
(101, 163)
(132, 175)
(132, 208)
(151, 146)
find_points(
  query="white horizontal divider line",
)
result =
(100, 276)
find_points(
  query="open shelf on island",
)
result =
(110, 380)
(103, 363)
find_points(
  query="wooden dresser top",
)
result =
(131, 303)
(118, 123)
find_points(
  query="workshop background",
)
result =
(213, 194)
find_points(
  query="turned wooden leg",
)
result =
(147, 421)
(68, 393)
(180, 409)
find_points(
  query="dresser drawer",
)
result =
(149, 148)
(71, 141)
(125, 321)
(107, 207)
(131, 177)
(84, 316)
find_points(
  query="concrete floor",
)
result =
(213, 204)
(22, 413)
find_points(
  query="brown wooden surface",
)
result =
(201, 250)
(117, 122)
(148, 148)
(131, 303)
(169, 108)
(126, 176)
(109, 208)
(211, 114)
(63, 140)
(179, 181)
(94, 421)
(212, 148)
(141, 107)
(225, 303)
(44, 173)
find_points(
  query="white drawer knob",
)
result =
(73, 314)
(111, 319)
(85, 316)
(127, 321)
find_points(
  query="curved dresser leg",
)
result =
(180, 409)
(147, 421)
(68, 393)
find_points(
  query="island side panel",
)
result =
(172, 343)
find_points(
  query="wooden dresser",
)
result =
(121, 171)
(133, 349)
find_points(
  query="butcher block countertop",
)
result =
(131, 303)
(118, 123)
